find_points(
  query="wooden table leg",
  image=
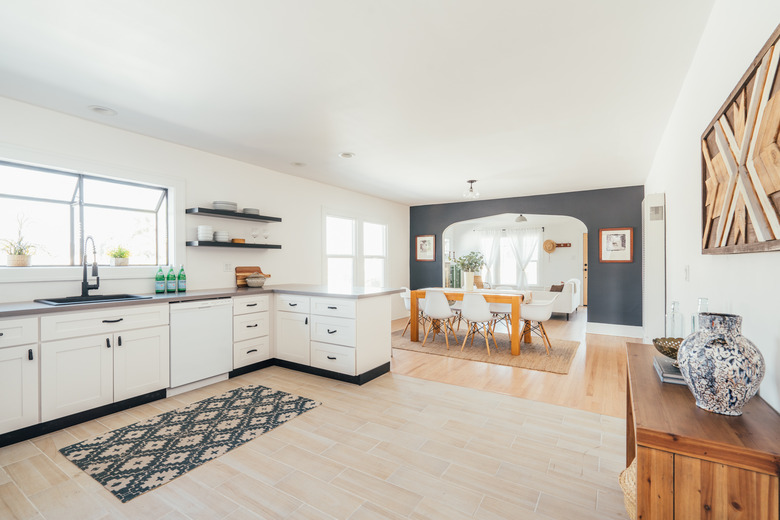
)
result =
(516, 326)
(414, 333)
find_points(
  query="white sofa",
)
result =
(568, 300)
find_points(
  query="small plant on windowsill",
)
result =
(119, 256)
(471, 263)
(19, 250)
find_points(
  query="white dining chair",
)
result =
(502, 312)
(438, 314)
(535, 314)
(407, 298)
(476, 312)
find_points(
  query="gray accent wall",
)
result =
(614, 289)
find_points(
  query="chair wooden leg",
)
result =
(469, 333)
(487, 331)
(408, 322)
(449, 323)
(545, 338)
(430, 325)
(494, 339)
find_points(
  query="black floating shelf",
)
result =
(231, 214)
(201, 243)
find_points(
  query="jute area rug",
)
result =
(532, 356)
(134, 459)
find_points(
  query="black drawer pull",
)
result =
(250, 326)
(250, 351)
(333, 331)
(292, 304)
(113, 321)
(30, 355)
(1, 333)
(332, 307)
(119, 341)
(331, 357)
(251, 305)
(108, 342)
(306, 321)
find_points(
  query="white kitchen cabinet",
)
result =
(76, 374)
(251, 329)
(141, 362)
(18, 373)
(292, 337)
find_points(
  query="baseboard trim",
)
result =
(36, 430)
(610, 329)
(360, 379)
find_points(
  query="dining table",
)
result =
(515, 298)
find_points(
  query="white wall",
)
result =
(744, 284)
(35, 135)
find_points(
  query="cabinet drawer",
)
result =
(247, 304)
(339, 307)
(292, 303)
(333, 330)
(18, 331)
(251, 351)
(250, 326)
(74, 324)
(333, 357)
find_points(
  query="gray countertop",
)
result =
(33, 308)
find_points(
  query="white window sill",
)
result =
(74, 273)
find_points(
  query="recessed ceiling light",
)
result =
(298, 163)
(103, 111)
(346, 155)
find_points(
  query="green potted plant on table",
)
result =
(470, 264)
(19, 250)
(119, 256)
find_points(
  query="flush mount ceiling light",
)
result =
(103, 111)
(471, 193)
(298, 163)
(521, 218)
(346, 155)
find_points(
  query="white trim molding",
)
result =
(610, 329)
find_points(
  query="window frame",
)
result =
(358, 257)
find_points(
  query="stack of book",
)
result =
(667, 372)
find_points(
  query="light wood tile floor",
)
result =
(397, 447)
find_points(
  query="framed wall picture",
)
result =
(616, 245)
(425, 248)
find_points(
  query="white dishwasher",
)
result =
(201, 340)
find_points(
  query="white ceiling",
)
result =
(527, 96)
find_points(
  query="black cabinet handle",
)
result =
(119, 341)
(332, 331)
(108, 342)
(306, 321)
(30, 355)
(331, 307)
(251, 305)
(250, 351)
(250, 326)
(1, 333)
(292, 304)
(113, 321)
(331, 357)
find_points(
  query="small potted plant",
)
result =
(119, 256)
(19, 251)
(470, 264)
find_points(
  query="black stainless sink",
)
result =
(92, 298)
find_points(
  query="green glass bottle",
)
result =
(170, 285)
(182, 280)
(159, 281)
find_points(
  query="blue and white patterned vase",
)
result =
(722, 368)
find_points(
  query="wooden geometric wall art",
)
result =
(741, 163)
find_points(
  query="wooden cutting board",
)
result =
(243, 271)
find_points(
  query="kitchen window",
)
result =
(355, 251)
(56, 208)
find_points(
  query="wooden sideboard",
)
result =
(696, 464)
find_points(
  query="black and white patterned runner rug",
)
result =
(132, 460)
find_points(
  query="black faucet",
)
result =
(85, 286)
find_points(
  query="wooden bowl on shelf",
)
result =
(239, 240)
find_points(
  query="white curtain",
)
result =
(490, 246)
(525, 246)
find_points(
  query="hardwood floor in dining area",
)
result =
(436, 438)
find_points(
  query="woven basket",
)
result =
(628, 485)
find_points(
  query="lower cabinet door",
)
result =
(251, 351)
(18, 387)
(336, 358)
(141, 361)
(292, 337)
(76, 375)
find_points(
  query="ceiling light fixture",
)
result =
(103, 111)
(298, 163)
(346, 155)
(471, 193)
(521, 218)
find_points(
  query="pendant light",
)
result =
(471, 193)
